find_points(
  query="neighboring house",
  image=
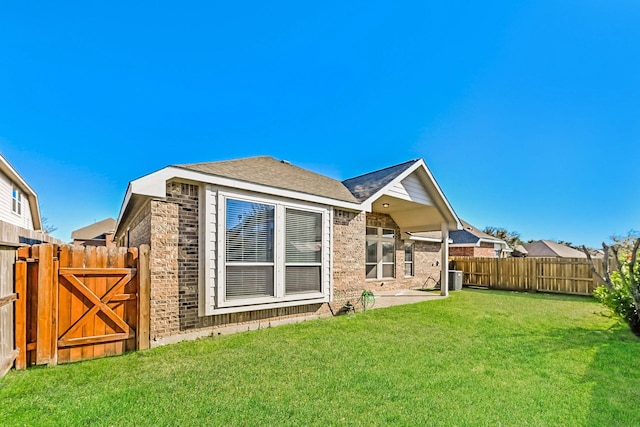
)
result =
(258, 239)
(19, 212)
(475, 243)
(519, 252)
(548, 248)
(98, 234)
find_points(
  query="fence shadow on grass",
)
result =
(531, 294)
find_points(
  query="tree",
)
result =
(511, 237)
(620, 290)
(47, 228)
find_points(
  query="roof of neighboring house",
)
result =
(548, 248)
(14, 176)
(268, 171)
(92, 231)
(365, 186)
(471, 235)
(520, 249)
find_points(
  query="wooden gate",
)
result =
(79, 303)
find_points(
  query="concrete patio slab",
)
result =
(387, 298)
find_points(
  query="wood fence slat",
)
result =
(64, 303)
(144, 292)
(101, 289)
(21, 314)
(89, 328)
(45, 294)
(54, 311)
(78, 301)
(131, 309)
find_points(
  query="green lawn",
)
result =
(477, 358)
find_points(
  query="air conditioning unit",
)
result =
(455, 280)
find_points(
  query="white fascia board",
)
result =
(125, 202)
(500, 242)
(154, 185)
(425, 239)
(458, 224)
(477, 244)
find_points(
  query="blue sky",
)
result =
(527, 113)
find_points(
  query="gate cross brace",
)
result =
(99, 304)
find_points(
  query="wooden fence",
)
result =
(560, 275)
(8, 352)
(77, 303)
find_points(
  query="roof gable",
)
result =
(367, 185)
(470, 234)
(92, 231)
(275, 173)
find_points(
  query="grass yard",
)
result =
(477, 358)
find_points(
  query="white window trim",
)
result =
(379, 241)
(213, 300)
(18, 200)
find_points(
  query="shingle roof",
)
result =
(271, 172)
(365, 186)
(94, 230)
(470, 234)
(548, 248)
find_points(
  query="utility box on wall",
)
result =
(455, 280)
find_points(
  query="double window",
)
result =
(273, 252)
(16, 201)
(380, 258)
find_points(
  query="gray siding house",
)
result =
(259, 239)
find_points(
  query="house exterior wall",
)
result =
(486, 250)
(426, 258)
(172, 229)
(7, 215)
(348, 250)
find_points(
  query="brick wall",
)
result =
(473, 251)
(164, 269)
(427, 257)
(348, 249)
(174, 234)
(139, 232)
(461, 250)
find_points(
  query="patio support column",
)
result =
(444, 270)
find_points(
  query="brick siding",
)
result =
(473, 251)
(427, 258)
(348, 249)
(171, 227)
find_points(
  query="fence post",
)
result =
(144, 295)
(21, 314)
(44, 334)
